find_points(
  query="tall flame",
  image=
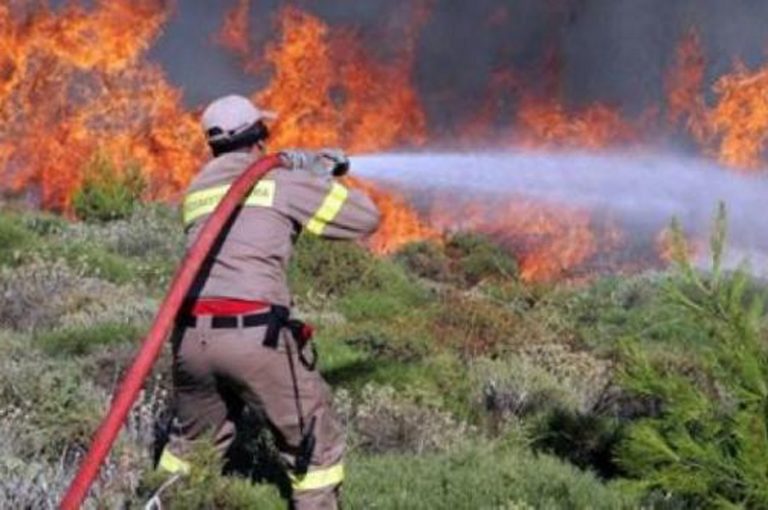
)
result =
(235, 31)
(76, 82)
(739, 119)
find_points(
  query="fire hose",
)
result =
(142, 364)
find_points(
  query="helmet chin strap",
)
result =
(256, 134)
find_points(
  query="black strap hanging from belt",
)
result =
(278, 319)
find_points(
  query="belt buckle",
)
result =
(225, 321)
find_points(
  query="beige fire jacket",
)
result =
(252, 261)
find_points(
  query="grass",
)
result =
(78, 341)
(462, 387)
(485, 475)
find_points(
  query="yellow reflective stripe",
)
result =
(262, 195)
(171, 463)
(200, 203)
(328, 210)
(318, 479)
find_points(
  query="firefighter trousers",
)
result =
(211, 366)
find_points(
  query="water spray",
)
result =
(642, 192)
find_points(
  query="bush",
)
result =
(515, 387)
(586, 440)
(632, 308)
(56, 407)
(466, 259)
(483, 475)
(425, 259)
(478, 258)
(383, 421)
(474, 326)
(108, 193)
(152, 231)
(367, 286)
(709, 443)
(206, 489)
(83, 340)
(15, 240)
(44, 294)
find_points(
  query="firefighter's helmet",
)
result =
(231, 120)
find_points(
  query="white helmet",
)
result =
(231, 115)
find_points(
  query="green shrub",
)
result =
(108, 193)
(710, 442)
(586, 440)
(16, 241)
(477, 257)
(466, 259)
(152, 231)
(83, 340)
(484, 475)
(57, 407)
(425, 259)
(93, 260)
(46, 294)
(44, 224)
(345, 270)
(474, 326)
(206, 489)
(632, 308)
(384, 420)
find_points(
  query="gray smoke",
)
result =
(641, 193)
(615, 51)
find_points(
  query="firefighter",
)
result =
(236, 343)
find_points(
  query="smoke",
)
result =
(615, 51)
(640, 193)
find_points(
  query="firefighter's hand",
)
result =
(335, 160)
(322, 163)
(294, 159)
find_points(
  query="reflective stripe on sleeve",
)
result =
(200, 203)
(173, 464)
(318, 479)
(329, 209)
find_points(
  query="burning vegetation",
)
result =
(76, 84)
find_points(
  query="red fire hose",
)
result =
(142, 364)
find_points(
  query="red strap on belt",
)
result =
(226, 306)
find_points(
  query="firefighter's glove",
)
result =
(322, 163)
(335, 160)
(294, 159)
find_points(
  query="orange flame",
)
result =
(546, 124)
(235, 31)
(330, 93)
(549, 241)
(75, 83)
(684, 87)
(739, 119)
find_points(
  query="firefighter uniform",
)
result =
(234, 348)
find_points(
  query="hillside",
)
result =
(461, 386)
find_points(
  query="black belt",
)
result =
(275, 319)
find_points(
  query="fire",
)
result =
(235, 32)
(548, 240)
(739, 119)
(329, 93)
(735, 129)
(77, 81)
(547, 124)
(685, 87)
(400, 223)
